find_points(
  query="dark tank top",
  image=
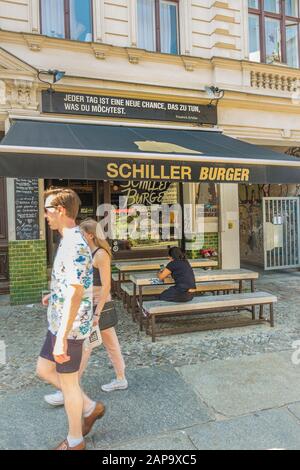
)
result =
(96, 273)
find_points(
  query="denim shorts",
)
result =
(75, 348)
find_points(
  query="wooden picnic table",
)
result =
(140, 280)
(125, 267)
(151, 265)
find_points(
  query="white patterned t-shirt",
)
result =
(73, 265)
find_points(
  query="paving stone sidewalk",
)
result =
(231, 389)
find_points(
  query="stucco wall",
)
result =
(217, 28)
(14, 16)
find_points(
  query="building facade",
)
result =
(152, 50)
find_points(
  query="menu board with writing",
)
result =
(27, 209)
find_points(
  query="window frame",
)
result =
(67, 20)
(283, 18)
(158, 26)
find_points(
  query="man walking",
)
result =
(69, 317)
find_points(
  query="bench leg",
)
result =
(148, 325)
(132, 308)
(272, 315)
(119, 285)
(253, 312)
(128, 303)
(134, 303)
(140, 308)
(140, 316)
(261, 312)
(240, 287)
(153, 328)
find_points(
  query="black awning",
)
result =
(44, 149)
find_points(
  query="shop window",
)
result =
(274, 31)
(70, 19)
(157, 26)
(205, 240)
(135, 230)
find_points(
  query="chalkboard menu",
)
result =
(27, 209)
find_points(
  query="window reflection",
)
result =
(272, 6)
(253, 4)
(168, 27)
(80, 20)
(71, 19)
(291, 8)
(157, 25)
(136, 230)
(292, 48)
(254, 38)
(53, 19)
(273, 40)
(146, 24)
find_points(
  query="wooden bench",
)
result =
(116, 284)
(209, 304)
(155, 290)
(141, 280)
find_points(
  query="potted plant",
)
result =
(208, 253)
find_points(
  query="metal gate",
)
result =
(281, 232)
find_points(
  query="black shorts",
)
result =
(75, 348)
(174, 295)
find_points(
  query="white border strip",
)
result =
(69, 120)
(182, 158)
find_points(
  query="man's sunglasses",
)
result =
(47, 209)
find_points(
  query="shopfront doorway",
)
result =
(281, 232)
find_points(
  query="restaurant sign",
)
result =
(143, 192)
(41, 165)
(173, 172)
(127, 108)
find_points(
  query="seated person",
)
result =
(182, 273)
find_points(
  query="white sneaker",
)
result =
(55, 399)
(115, 385)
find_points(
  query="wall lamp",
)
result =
(214, 93)
(56, 74)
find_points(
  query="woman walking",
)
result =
(102, 301)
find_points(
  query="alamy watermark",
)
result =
(296, 354)
(2, 353)
(154, 222)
